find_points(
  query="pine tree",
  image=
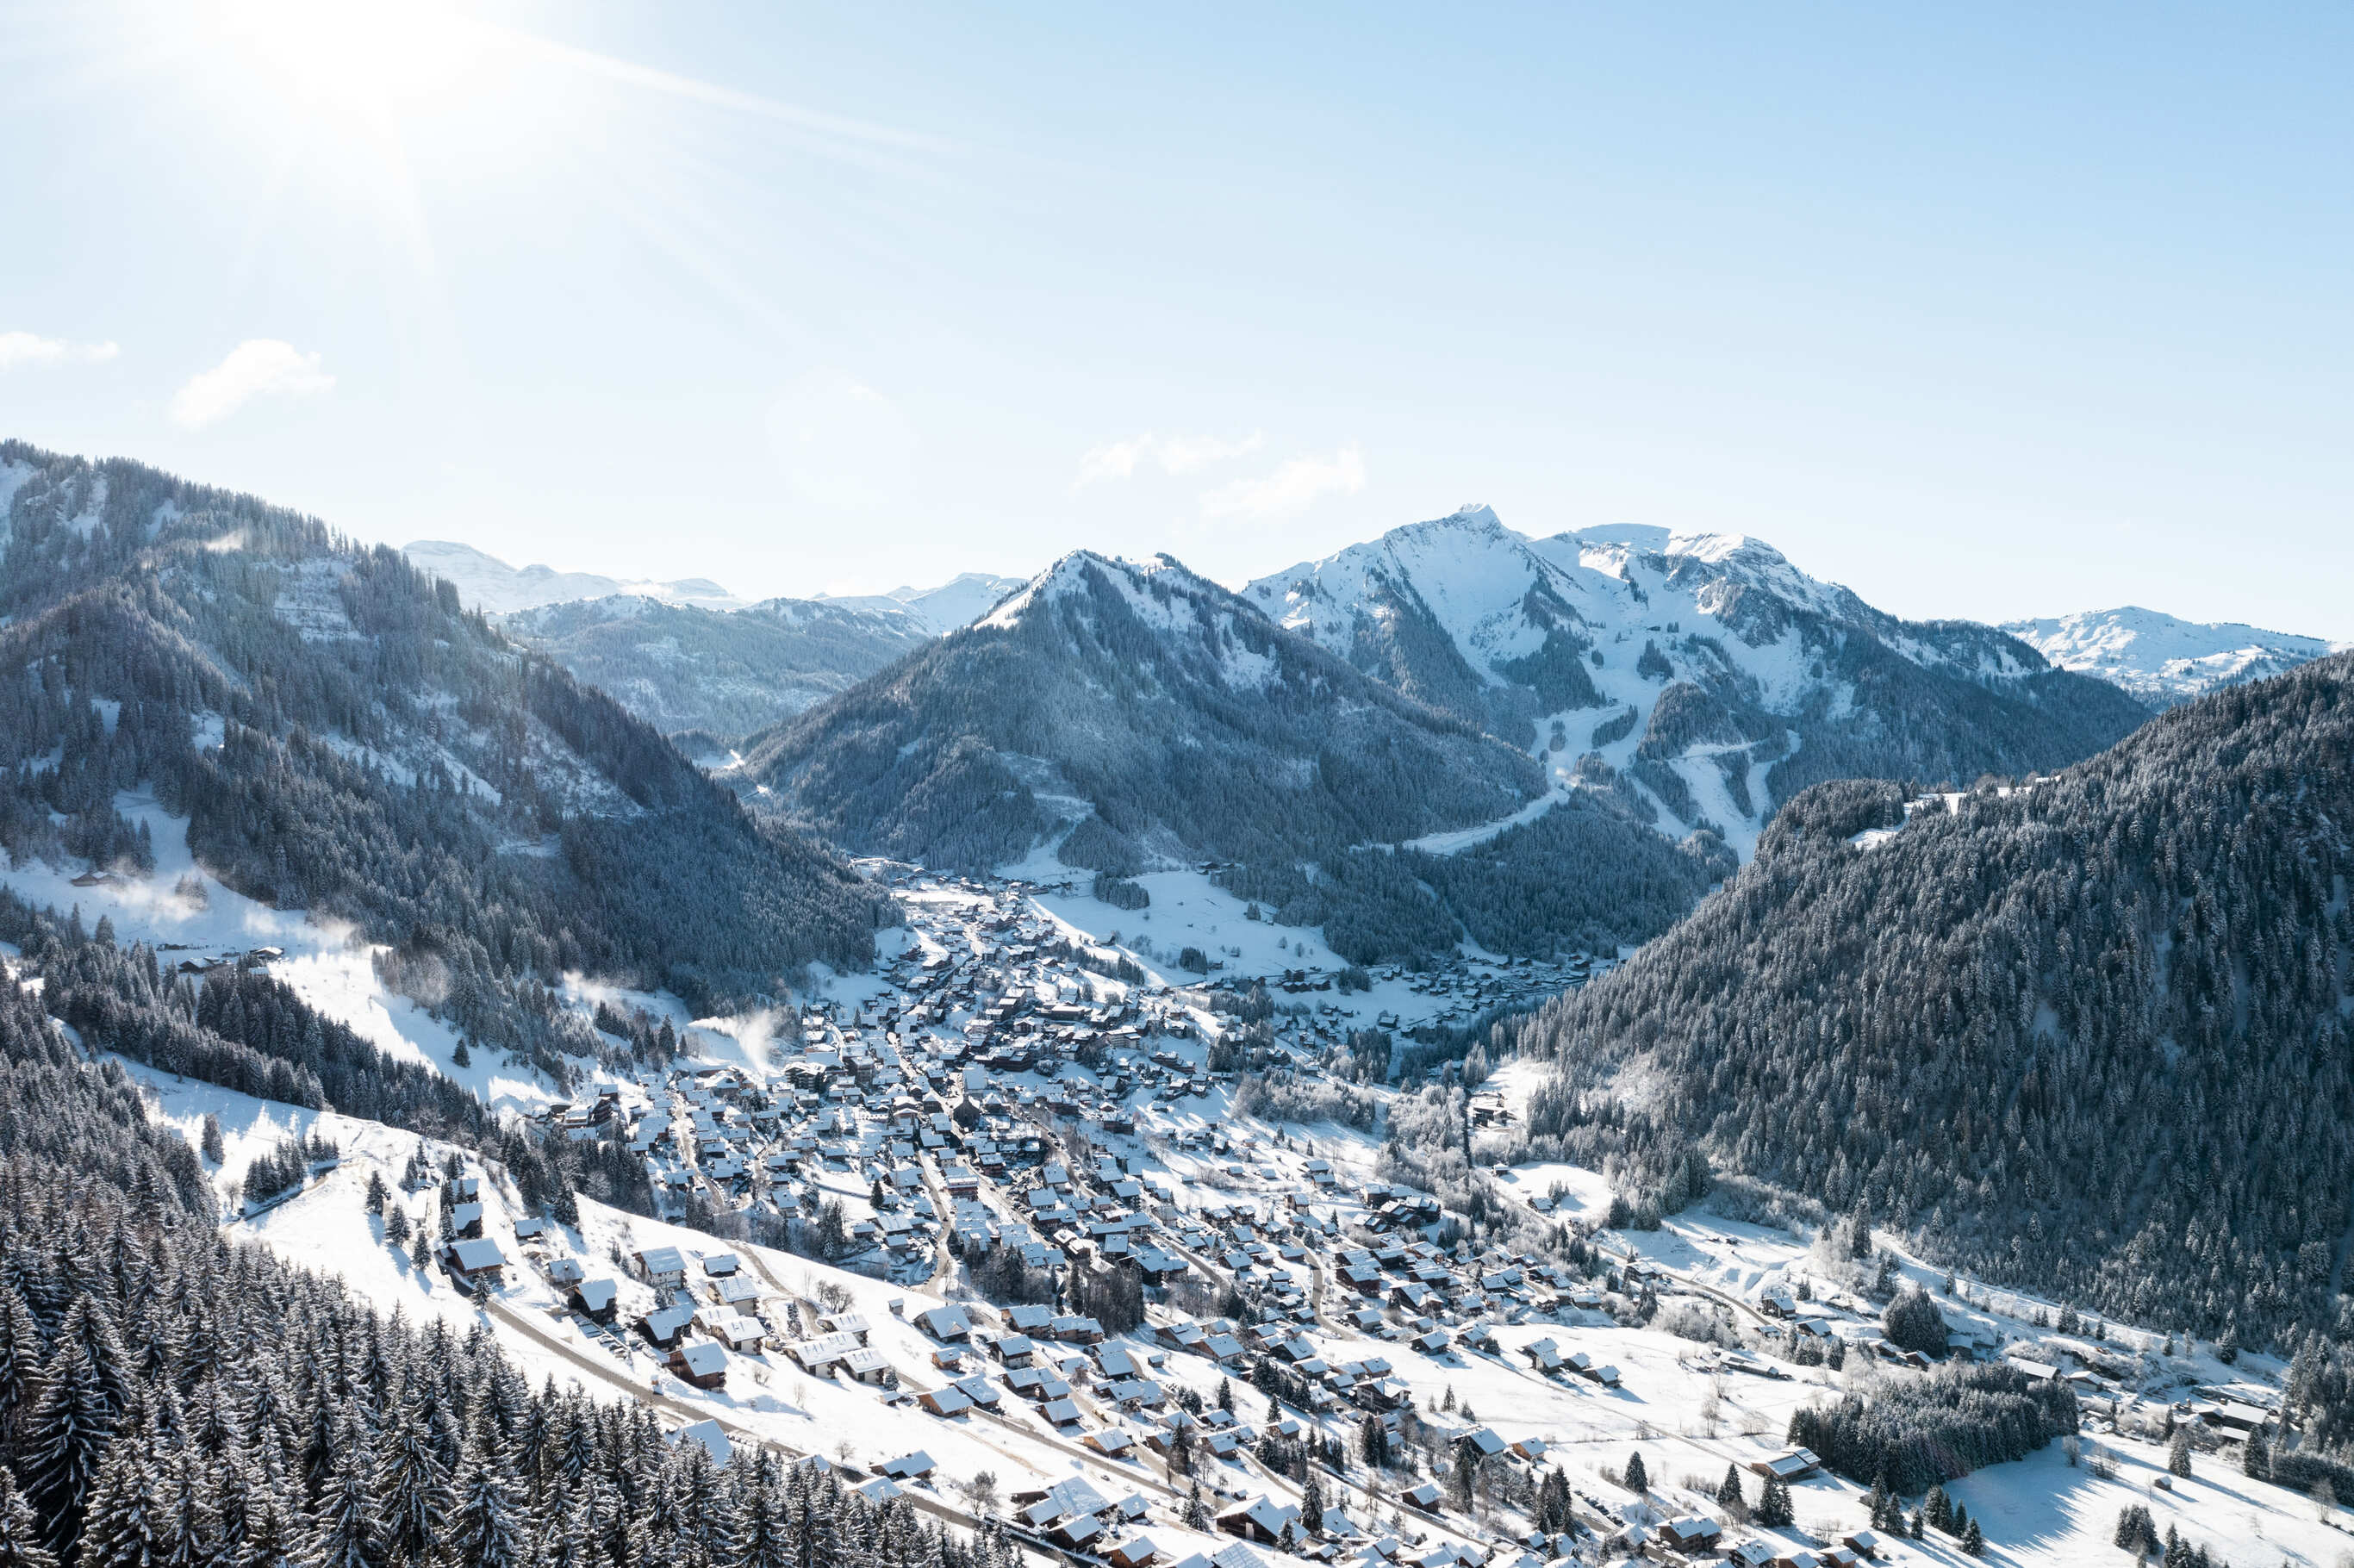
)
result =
(1728, 1492)
(348, 1535)
(20, 1532)
(412, 1493)
(190, 1534)
(277, 1538)
(2177, 1453)
(2256, 1458)
(1937, 1509)
(20, 1366)
(488, 1529)
(1973, 1540)
(127, 1526)
(1774, 1506)
(1196, 1514)
(1637, 1481)
(64, 1439)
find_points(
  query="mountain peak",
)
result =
(486, 583)
(2162, 659)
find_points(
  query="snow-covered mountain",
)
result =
(1122, 716)
(488, 584)
(727, 673)
(2159, 658)
(1672, 670)
(960, 601)
(333, 733)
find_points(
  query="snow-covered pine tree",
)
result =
(20, 1532)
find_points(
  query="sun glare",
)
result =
(364, 56)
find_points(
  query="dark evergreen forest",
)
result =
(2090, 1036)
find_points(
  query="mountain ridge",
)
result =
(1568, 645)
(2162, 659)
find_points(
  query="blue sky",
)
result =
(1986, 312)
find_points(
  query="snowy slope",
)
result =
(489, 584)
(2159, 658)
(960, 601)
(1571, 645)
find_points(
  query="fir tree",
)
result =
(348, 1535)
(64, 1439)
(20, 1532)
(2177, 1453)
(412, 1493)
(488, 1529)
(1728, 1492)
(128, 1523)
(1973, 1540)
(1638, 1481)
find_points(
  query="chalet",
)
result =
(1261, 1520)
(1750, 1554)
(1076, 1331)
(1061, 1414)
(596, 1300)
(1792, 1464)
(1424, 1498)
(734, 1329)
(912, 1467)
(563, 1272)
(702, 1363)
(665, 1327)
(1136, 1552)
(1691, 1534)
(477, 1264)
(948, 1400)
(1863, 1543)
(946, 1324)
(663, 1267)
(1483, 1441)
(719, 1265)
(1112, 1442)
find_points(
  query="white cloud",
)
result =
(1174, 454)
(1291, 489)
(256, 366)
(26, 348)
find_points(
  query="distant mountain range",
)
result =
(488, 584)
(1700, 678)
(960, 601)
(708, 677)
(693, 660)
(2160, 659)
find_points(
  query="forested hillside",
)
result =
(2090, 1036)
(342, 736)
(728, 672)
(170, 1396)
(1139, 717)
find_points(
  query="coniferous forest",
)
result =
(2088, 1035)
